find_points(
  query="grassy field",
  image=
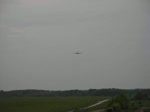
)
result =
(137, 104)
(45, 104)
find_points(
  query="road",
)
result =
(98, 103)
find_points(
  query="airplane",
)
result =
(78, 53)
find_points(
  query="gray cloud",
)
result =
(37, 42)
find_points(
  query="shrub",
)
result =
(110, 109)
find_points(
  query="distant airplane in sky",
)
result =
(78, 53)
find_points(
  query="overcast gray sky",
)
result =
(38, 39)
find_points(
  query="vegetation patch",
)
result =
(46, 104)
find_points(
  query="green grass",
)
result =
(45, 104)
(145, 103)
(137, 105)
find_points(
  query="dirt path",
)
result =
(100, 102)
(142, 109)
(139, 110)
(101, 110)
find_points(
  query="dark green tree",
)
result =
(118, 103)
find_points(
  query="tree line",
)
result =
(90, 92)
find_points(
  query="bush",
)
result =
(110, 109)
(116, 107)
(120, 102)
